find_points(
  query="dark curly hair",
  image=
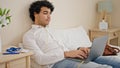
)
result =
(37, 5)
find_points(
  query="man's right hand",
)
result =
(75, 54)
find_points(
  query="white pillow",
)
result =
(72, 38)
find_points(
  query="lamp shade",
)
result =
(105, 6)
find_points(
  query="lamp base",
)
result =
(103, 25)
(107, 19)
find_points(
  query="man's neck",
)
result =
(39, 24)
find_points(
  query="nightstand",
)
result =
(21, 60)
(113, 34)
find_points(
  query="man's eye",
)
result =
(45, 12)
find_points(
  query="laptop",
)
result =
(96, 50)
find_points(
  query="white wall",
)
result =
(116, 13)
(68, 13)
(12, 34)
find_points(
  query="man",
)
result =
(50, 53)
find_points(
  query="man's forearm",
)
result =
(66, 54)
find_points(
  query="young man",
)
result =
(50, 53)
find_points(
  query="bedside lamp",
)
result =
(104, 9)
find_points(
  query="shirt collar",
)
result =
(36, 26)
(39, 26)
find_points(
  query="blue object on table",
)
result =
(7, 53)
(12, 50)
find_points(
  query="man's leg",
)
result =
(114, 61)
(68, 63)
(94, 65)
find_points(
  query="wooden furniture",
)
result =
(21, 60)
(113, 33)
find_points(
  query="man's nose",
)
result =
(49, 16)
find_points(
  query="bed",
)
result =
(72, 38)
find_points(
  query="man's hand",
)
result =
(86, 50)
(82, 53)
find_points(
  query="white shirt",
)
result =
(47, 50)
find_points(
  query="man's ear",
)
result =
(35, 14)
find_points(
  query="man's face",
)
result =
(43, 18)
